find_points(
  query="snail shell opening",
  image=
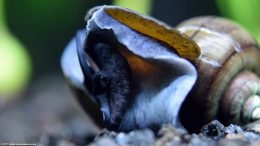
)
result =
(160, 78)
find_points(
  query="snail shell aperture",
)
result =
(140, 72)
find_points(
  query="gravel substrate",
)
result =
(214, 134)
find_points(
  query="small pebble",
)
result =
(214, 130)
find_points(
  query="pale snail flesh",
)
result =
(140, 70)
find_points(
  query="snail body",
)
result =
(201, 63)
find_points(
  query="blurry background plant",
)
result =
(15, 63)
(144, 6)
(245, 12)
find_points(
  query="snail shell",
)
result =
(228, 84)
(161, 61)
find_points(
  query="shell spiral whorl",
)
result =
(228, 85)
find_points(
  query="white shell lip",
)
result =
(70, 65)
(165, 103)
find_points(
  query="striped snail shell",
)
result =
(228, 85)
(139, 71)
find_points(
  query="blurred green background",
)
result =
(41, 29)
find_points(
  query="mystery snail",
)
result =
(132, 71)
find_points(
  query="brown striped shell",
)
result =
(228, 85)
